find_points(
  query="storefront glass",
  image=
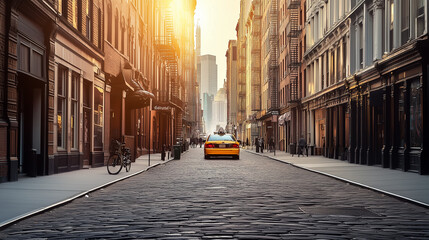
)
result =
(98, 118)
(416, 129)
(401, 116)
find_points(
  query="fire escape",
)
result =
(274, 66)
(293, 35)
(169, 50)
(242, 81)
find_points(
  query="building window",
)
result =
(98, 118)
(74, 14)
(405, 21)
(129, 52)
(322, 74)
(100, 27)
(392, 20)
(122, 40)
(88, 19)
(361, 60)
(116, 29)
(234, 53)
(109, 22)
(339, 64)
(74, 111)
(62, 7)
(61, 108)
(344, 63)
(420, 18)
(416, 127)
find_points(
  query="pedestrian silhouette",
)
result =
(257, 144)
(302, 144)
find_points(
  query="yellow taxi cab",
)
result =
(221, 144)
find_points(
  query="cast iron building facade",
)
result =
(77, 73)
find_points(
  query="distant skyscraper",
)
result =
(219, 118)
(207, 113)
(208, 75)
(198, 39)
(198, 62)
(208, 87)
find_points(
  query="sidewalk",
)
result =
(29, 196)
(404, 185)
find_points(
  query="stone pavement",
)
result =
(404, 185)
(29, 196)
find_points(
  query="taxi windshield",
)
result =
(221, 138)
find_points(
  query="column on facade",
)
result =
(337, 131)
(369, 131)
(386, 127)
(311, 129)
(328, 132)
(363, 130)
(378, 30)
(357, 129)
(394, 126)
(352, 135)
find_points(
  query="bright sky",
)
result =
(218, 19)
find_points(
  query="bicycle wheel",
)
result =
(114, 165)
(127, 164)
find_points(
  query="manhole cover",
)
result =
(344, 211)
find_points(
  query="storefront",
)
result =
(26, 116)
(320, 131)
(79, 107)
(386, 113)
(284, 132)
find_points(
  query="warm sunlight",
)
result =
(241, 119)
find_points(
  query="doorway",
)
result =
(87, 87)
(31, 126)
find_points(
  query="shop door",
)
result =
(87, 137)
(377, 125)
(30, 114)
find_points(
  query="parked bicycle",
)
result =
(120, 157)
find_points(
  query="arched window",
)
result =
(109, 22)
(122, 35)
(116, 29)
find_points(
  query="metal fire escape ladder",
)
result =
(169, 50)
(294, 63)
(167, 46)
(274, 54)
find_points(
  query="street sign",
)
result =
(161, 108)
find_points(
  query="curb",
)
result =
(68, 200)
(422, 204)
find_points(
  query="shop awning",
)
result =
(284, 118)
(139, 98)
(125, 77)
(281, 120)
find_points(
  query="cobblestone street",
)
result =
(250, 198)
